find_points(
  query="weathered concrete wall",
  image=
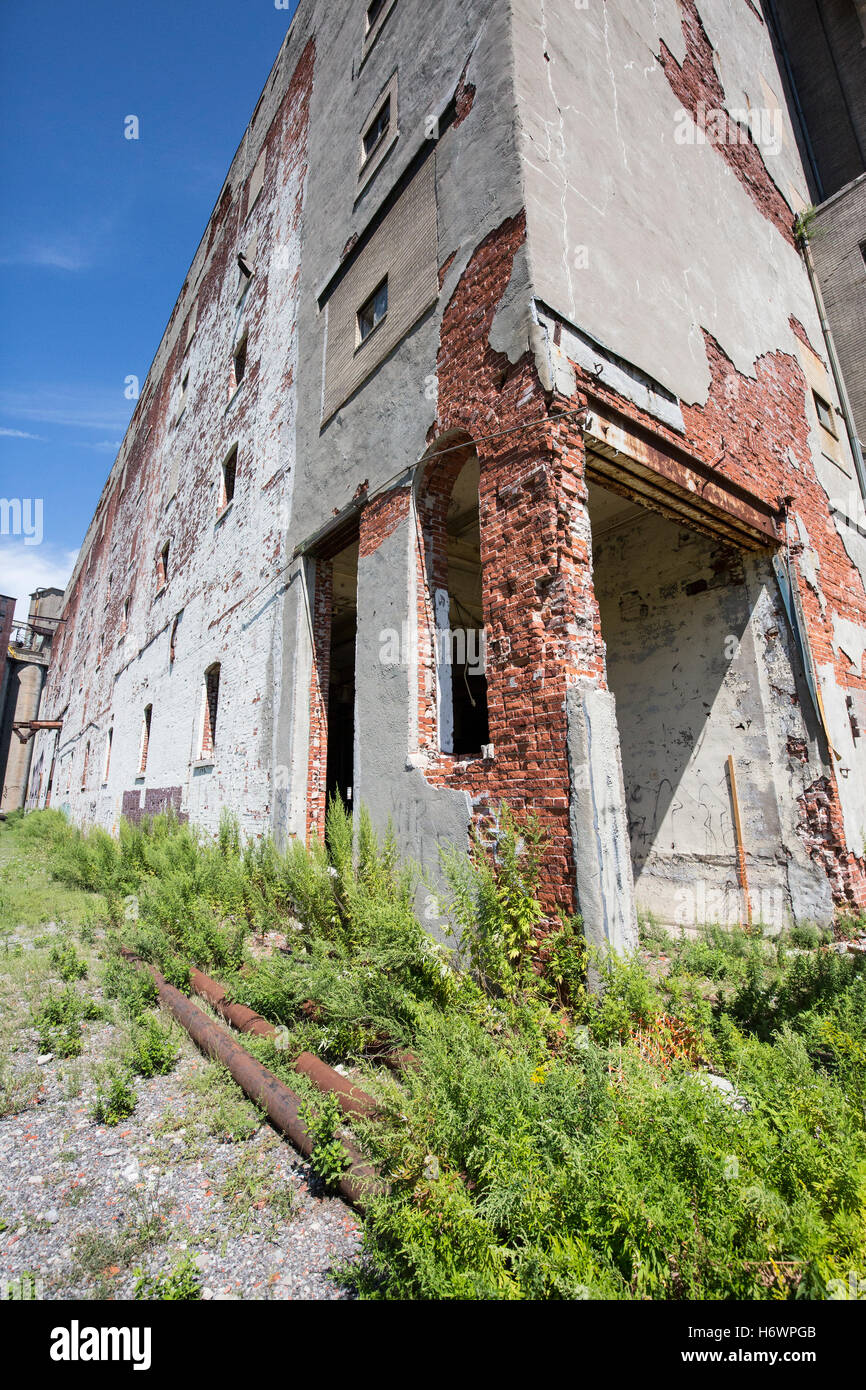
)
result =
(688, 623)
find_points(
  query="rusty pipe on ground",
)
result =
(361, 1180)
(352, 1100)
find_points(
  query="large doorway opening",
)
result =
(681, 660)
(340, 778)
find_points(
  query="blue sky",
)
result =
(99, 231)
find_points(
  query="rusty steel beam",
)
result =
(359, 1183)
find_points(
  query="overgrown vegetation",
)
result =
(542, 1141)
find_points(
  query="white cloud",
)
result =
(49, 257)
(26, 568)
(18, 434)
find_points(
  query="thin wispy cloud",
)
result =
(48, 257)
(18, 434)
(70, 408)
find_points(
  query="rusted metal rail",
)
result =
(359, 1183)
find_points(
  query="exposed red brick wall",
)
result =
(540, 613)
(381, 517)
(697, 81)
(823, 831)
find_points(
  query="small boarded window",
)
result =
(825, 413)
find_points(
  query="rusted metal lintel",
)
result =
(630, 460)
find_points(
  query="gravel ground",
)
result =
(84, 1207)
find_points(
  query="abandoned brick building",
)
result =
(499, 329)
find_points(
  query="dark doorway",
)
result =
(471, 729)
(341, 683)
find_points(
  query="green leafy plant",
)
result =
(152, 1050)
(60, 1018)
(115, 1097)
(323, 1118)
(180, 1283)
(67, 962)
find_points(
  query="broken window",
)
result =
(84, 767)
(184, 391)
(108, 742)
(162, 567)
(124, 621)
(172, 641)
(227, 481)
(372, 311)
(378, 132)
(210, 710)
(145, 740)
(246, 266)
(373, 12)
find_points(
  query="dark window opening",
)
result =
(84, 768)
(240, 361)
(466, 655)
(377, 129)
(145, 740)
(211, 708)
(371, 313)
(341, 678)
(373, 12)
(229, 470)
(162, 566)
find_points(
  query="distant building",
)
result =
(28, 653)
(493, 454)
